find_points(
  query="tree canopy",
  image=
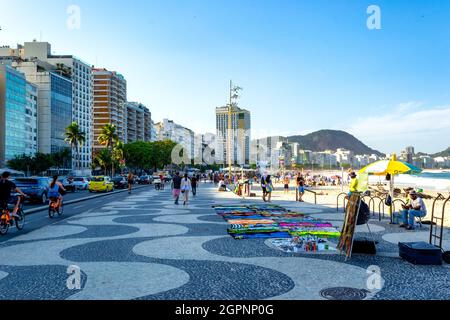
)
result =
(148, 155)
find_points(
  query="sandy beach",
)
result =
(327, 196)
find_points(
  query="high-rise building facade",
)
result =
(54, 103)
(240, 135)
(139, 122)
(80, 73)
(110, 104)
(408, 154)
(82, 105)
(31, 118)
(154, 133)
(13, 107)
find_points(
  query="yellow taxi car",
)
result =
(101, 184)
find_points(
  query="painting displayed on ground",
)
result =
(290, 231)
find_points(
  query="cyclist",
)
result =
(54, 191)
(6, 186)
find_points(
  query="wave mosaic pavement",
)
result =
(145, 247)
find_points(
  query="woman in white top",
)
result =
(186, 188)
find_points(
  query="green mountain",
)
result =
(332, 140)
(445, 153)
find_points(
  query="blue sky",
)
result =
(304, 65)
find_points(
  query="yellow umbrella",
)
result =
(390, 167)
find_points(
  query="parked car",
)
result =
(35, 188)
(101, 184)
(68, 184)
(120, 182)
(81, 183)
(144, 180)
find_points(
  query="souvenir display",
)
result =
(270, 221)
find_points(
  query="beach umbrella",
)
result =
(390, 167)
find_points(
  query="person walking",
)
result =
(264, 187)
(300, 187)
(130, 180)
(194, 184)
(269, 188)
(176, 187)
(186, 186)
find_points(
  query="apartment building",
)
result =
(139, 122)
(240, 135)
(169, 130)
(110, 104)
(80, 73)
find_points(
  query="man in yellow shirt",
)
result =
(353, 184)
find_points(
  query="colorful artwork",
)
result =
(270, 221)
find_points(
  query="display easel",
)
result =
(347, 238)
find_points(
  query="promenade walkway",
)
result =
(142, 246)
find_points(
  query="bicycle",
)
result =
(7, 219)
(53, 208)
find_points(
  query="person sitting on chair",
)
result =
(417, 209)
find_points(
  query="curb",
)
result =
(101, 195)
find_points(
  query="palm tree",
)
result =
(108, 137)
(118, 151)
(76, 138)
(103, 160)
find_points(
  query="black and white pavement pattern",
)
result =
(143, 247)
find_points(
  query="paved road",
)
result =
(40, 219)
(68, 197)
(144, 247)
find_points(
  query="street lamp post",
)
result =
(234, 90)
(230, 124)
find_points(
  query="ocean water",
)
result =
(438, 181)
(435, 175)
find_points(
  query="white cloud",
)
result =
(409, 106)
(408, 124)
